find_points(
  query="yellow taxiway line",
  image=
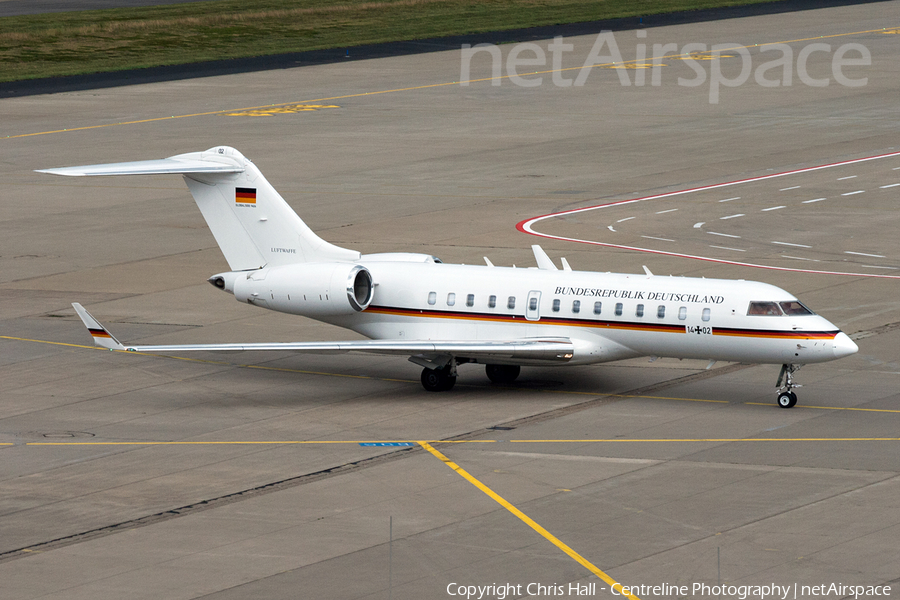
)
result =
(428, 86)
(526, 519)
(387, 443)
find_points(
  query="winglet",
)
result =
(543, 261)
(101, 336)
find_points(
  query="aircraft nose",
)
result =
(844, 346)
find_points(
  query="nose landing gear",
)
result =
(786, 397)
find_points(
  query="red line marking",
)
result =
(526, 226)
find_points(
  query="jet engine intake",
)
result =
(313, 289)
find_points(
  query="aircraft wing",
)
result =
(550, 348)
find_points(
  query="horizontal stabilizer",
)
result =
(163, 166)
(251, 222)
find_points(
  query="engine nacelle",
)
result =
(314, 289)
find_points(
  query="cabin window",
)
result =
(576, 306)
(511, 302)
(492, 301)
(532, 303)
(639, 310)
(661, 312)
(470, 300)
(432, 298)
(597, 307)
(556, 305)
(451, 299)
(794, 308)
(706, 314)
(682, 313)
(770, 309)
(619, 308)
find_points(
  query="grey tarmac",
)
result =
(265, 476)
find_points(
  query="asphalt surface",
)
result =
(246, 475)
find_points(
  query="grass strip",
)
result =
(83, 42)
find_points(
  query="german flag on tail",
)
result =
(244, 195)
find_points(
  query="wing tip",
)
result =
(101, 336)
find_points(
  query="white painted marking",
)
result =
(699, 225)
(811, 201)
(793, 187)
(650, 237)
(896, 169)
(864, 254)
(625, 219)
(772, 208)
(852, 193)
(727, 248)
(731, 216)
(662, 212)
(847, 177)
(610, 227)
(528, 225)
(878, 267)
(790, 244)
(724, 234)
(799, 258)
(730, 199)
(884, 187)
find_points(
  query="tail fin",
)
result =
(251, 222)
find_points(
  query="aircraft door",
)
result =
(533, 306)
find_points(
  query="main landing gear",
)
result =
(786, 397)
(441, 379)
(502, 374)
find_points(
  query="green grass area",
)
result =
(109, 40)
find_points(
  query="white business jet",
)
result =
(442, 315)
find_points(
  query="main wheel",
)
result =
(787, 399)
(437, 380)
(502, 374)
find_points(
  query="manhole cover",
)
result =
(67, 434)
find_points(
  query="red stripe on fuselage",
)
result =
(597, 324)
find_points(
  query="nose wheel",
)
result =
(787, 399)
(785, 384)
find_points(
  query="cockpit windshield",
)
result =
(791, 308)
(770, 309)
(795, 308)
